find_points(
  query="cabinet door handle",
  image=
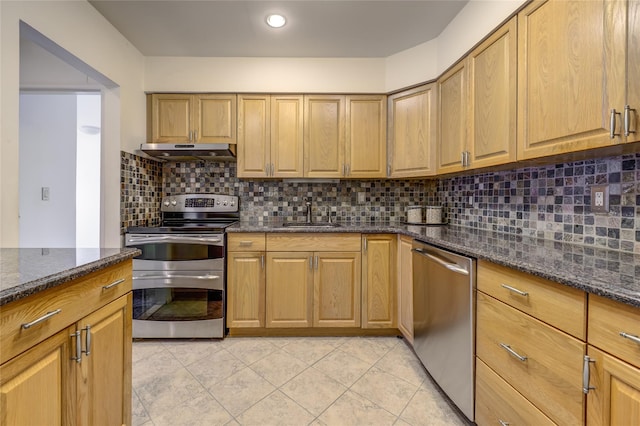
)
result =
(348, 169)
(195, 135)
(262, 261)
(344, 170)
(316, 263)
(311, 263)
(503, 423)
(41, 319)
(87, 340)
(364, 245)
(462, 158)
(512, 352)
(631, 337)
(267, 169)
(388, 170)
(113, 284)
(515, 290)
(586, 373)
(627, 120)
(612, 124)
(78, 357)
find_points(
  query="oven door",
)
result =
(183, 304)
(175, 252)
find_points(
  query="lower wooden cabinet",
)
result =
(245, 289)
(405, 287)
(336, 289)
(378, 281)
(289, 289)
(81, 375)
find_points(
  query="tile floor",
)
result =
(284, 381)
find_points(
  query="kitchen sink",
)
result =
(310, 224)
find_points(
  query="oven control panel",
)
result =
(200, 203)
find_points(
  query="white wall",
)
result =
(48, 159)
(79, 29)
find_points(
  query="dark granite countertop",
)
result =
(26, 271)
(609, 273)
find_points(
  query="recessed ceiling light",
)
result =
(276, 21)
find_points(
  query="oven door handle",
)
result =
(166, 277)
(149, 239)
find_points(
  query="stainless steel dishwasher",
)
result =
(444, 312)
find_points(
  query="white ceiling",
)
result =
(235, 28)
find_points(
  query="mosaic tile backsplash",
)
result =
(551, 202)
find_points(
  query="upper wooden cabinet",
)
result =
(572, 74)
(270, 130)
(188, 118)
(324, 117)
(412, 132)
(366, 136)
(477, 106)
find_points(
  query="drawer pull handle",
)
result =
(515, 290)
(631, 337)
(42, 318)
(246, 243)
(585, 374)
(113, 284)
(503, 423)
(513, 353)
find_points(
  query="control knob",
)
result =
(174, 203)
(166, 203)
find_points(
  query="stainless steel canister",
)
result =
(414, 214)
(433, 215)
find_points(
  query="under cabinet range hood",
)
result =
(190, 152)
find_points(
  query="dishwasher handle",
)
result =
(450, 266)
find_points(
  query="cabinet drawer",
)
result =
(74, 299)
(246, 242)
(313, 242)
(499, 403)
(607, 319)
(556, 304)
(549, 375)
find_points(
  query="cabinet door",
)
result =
(289, 289)
(615, 397)
(245, 289)
(405, 288)
(571, 73)
(412, 134)
(324, 136)
(492, 99)
(254, 121)
(378, 281)
(633, 67)
(37, 387)
(104, 378)
(336, 288)
(452, 118)
(366, 136)
(170, 118)
(287, 116)
(214, 118)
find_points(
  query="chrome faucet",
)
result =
(308, 204)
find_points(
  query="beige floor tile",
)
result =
(352, 409)
(369, 349)
(156, 364)
(168, 391)
(429, 408)
(278, 367)
(402, 363)
(201, 410)
(313, 390)
(344, 368)
(401, 422)
(388, 391)
(309, 350)
(277, 410)
(250, 350)
(215, 368)
(241, 391)
(139, 415)
(145, 348)
(189, 351)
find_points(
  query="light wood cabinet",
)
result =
(452, 118)
(324, 137)
(191, 118)
(270, 136)
(75, 366)
(336, 289)
(405, 287)
(366, 136)
(378, 281)
(289, 288)
(245, 289)
(571, 74)
(477, 106)
(412, 132)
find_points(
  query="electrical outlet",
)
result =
(45, 193)
(361, 197)
(600, 198)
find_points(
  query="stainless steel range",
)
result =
(179, 279)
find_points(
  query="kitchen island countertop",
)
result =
(26, 271)
(610, 273)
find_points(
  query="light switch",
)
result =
(45, 193)
(361, 197)
(600, 198)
